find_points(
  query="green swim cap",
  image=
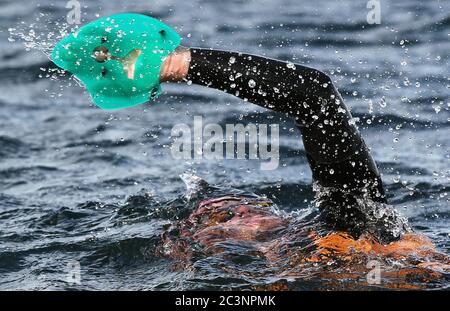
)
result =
(118, 58)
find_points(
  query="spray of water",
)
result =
(41, 36)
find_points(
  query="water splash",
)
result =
(359, 214)
(41, 37)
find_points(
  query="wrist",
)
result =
(175, 66)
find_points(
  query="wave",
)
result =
(37, 171)
(390, 119)
(95, 155)
(27, 73)
(11, 146)
(105, 143)
(288, 196)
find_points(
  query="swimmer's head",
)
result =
(239, 218)
(118, 58)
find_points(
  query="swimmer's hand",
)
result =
(175, 66)
(119, 57)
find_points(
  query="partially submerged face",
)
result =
(235, 218)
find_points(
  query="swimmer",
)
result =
(291, 247)
(123, 69)
(355, 224)
(337, 154)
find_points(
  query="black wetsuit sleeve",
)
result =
(336, 152)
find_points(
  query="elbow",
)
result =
(321, 85)
(322, 78)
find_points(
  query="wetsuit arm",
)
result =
(335, 149)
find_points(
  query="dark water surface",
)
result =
(79, 183)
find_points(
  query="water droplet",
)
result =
(290, 65)
(353, 121)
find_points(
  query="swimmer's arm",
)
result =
(336, 151)
(280, 86)
(272, 84)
